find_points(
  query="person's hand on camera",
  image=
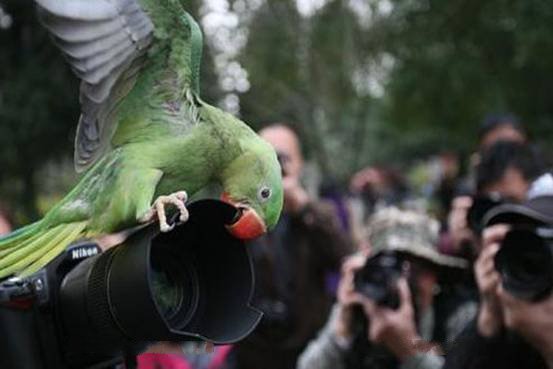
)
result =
(395, 329)
(347, 296)
(488, 279)
(457, 221)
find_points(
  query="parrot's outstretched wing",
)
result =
(138, 61)
(106, 42)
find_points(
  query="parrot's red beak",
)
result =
(248, 224)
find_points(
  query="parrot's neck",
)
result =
(197, 160)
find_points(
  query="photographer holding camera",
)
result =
(384, 316)
(514, 327)
(293, 263)
(504, 174)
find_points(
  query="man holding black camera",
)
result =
(514, 327)
(384, 317)
(293, 264)
(504, 174)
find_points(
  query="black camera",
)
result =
(481, 204)
(88, 309)
(525, 262)
(378, 278)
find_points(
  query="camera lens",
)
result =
(377, 279)
(175, 287)
(166, 292)
(524, 262)
(530, 265)
(195, 282)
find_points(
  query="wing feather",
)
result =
(83, 50)
(106, 42)
(101, 40)
(81, 9)
(75, 31)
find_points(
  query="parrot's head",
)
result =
(253, 184)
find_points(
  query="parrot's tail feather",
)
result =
(38, 249)
(54, 248)
(16, 237)
(14, 246)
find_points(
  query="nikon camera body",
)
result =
(33, 325)
(89, 309)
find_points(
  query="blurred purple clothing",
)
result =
(216, 360)
(162, 361)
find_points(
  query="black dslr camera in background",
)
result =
(378, 278)
(88, 309)
(525, 262)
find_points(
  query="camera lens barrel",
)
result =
(378, 278)
(525, 263)
(193, 283)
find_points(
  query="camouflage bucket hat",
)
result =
(409, 232)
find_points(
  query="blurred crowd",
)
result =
(378, 274)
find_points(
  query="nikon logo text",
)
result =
(84, 252)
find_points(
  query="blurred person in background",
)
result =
(501, 127)
(378, 187)
(449, 183)
(292, 264)
(514, 325)
(504, 174)
(331, 192)
(371, 189)
(363, 334)
(5, 221)
(449, 168)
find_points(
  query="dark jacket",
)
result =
(505, 351)
(293, 267)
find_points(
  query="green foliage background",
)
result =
(440, 67)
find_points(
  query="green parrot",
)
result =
(145, 138)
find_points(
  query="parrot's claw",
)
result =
(177, 199)
(164, 227)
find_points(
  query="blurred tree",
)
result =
(302, 71)
(38, 106)
(441, 65)
(458, 60)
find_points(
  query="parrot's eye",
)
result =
(264, 194)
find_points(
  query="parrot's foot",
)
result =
(177, 199)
